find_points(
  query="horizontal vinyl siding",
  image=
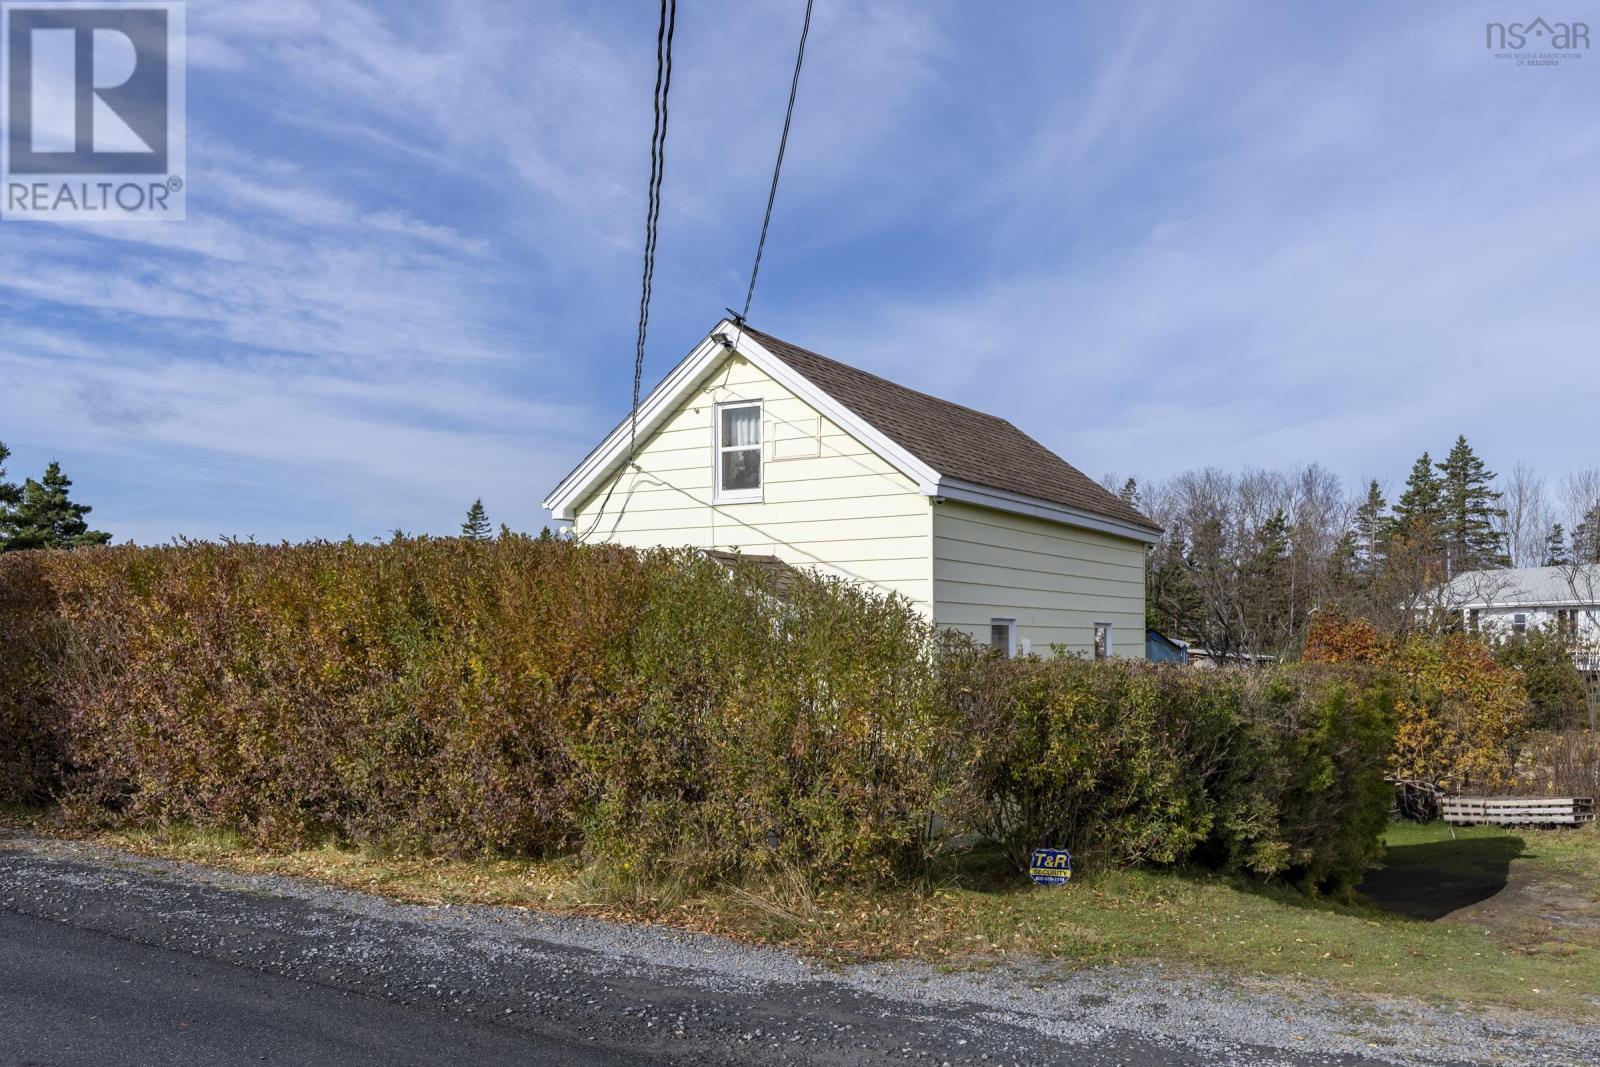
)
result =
(1056, 581)
(846, 512)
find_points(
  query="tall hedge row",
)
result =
(535, 696)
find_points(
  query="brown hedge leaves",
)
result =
(663, 717)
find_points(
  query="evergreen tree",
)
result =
(1555, 547)
(477, 527)
(1345, 567)
(44, 516)
(1130, 493)
(1369, 530)
(1471, 508)
(1263, 585)
(1419, 513)
(1414, 542)
(1173, 602)
(1586, 537)
(9, 493)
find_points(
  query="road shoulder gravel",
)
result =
(669, 996)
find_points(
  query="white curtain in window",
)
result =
(741, 427)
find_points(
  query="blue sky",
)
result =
(1154, 236)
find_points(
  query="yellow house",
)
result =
(755, 445)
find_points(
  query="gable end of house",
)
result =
(948, 451)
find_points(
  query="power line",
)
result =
(658, 150)
(783, 143)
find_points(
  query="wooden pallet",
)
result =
(1518, 811)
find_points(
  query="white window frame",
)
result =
(1110, 640)
(738, 496)
(1011, 635)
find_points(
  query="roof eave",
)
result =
(612, 451)
(1021, 504)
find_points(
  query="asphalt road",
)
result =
(73, 996)
(107, 960)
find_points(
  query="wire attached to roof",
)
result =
(783, 143)
(658, 147)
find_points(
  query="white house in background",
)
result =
(755, 445)
(1514, 601)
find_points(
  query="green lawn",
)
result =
(1513, 958)
(1477, 850)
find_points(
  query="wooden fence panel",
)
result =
(1518, 811)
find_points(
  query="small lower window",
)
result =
(1003, 636)
(1102, 640)
(1519, 623)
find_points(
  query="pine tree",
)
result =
(1471, 508)
(1130, 493)
(1586, 537)
(1414, 535)
(1555, 547)
(1419, 513)
(1173, 601)
(1345, 569)
(477, 527)
(1369, 530)
(1262, 586)
(44, 516)
(9, 493)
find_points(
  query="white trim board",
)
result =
(1018, 504)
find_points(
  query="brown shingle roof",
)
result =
(779, 575)
(956, 441)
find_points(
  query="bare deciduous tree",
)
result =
(1528, 516)
(1580, 501)
(1583, 579)
(1247, 557)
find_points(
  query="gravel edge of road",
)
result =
(1210, 1013)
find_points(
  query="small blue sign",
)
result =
(1050, 866)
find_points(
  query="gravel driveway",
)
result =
(292, 972)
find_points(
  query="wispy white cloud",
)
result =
(1218, 233)
(1365, 251)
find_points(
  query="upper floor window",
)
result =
(738, 451)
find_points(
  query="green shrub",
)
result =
(1558, 695)
(1304, 794)
(1274, 772)
(1111, 758)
